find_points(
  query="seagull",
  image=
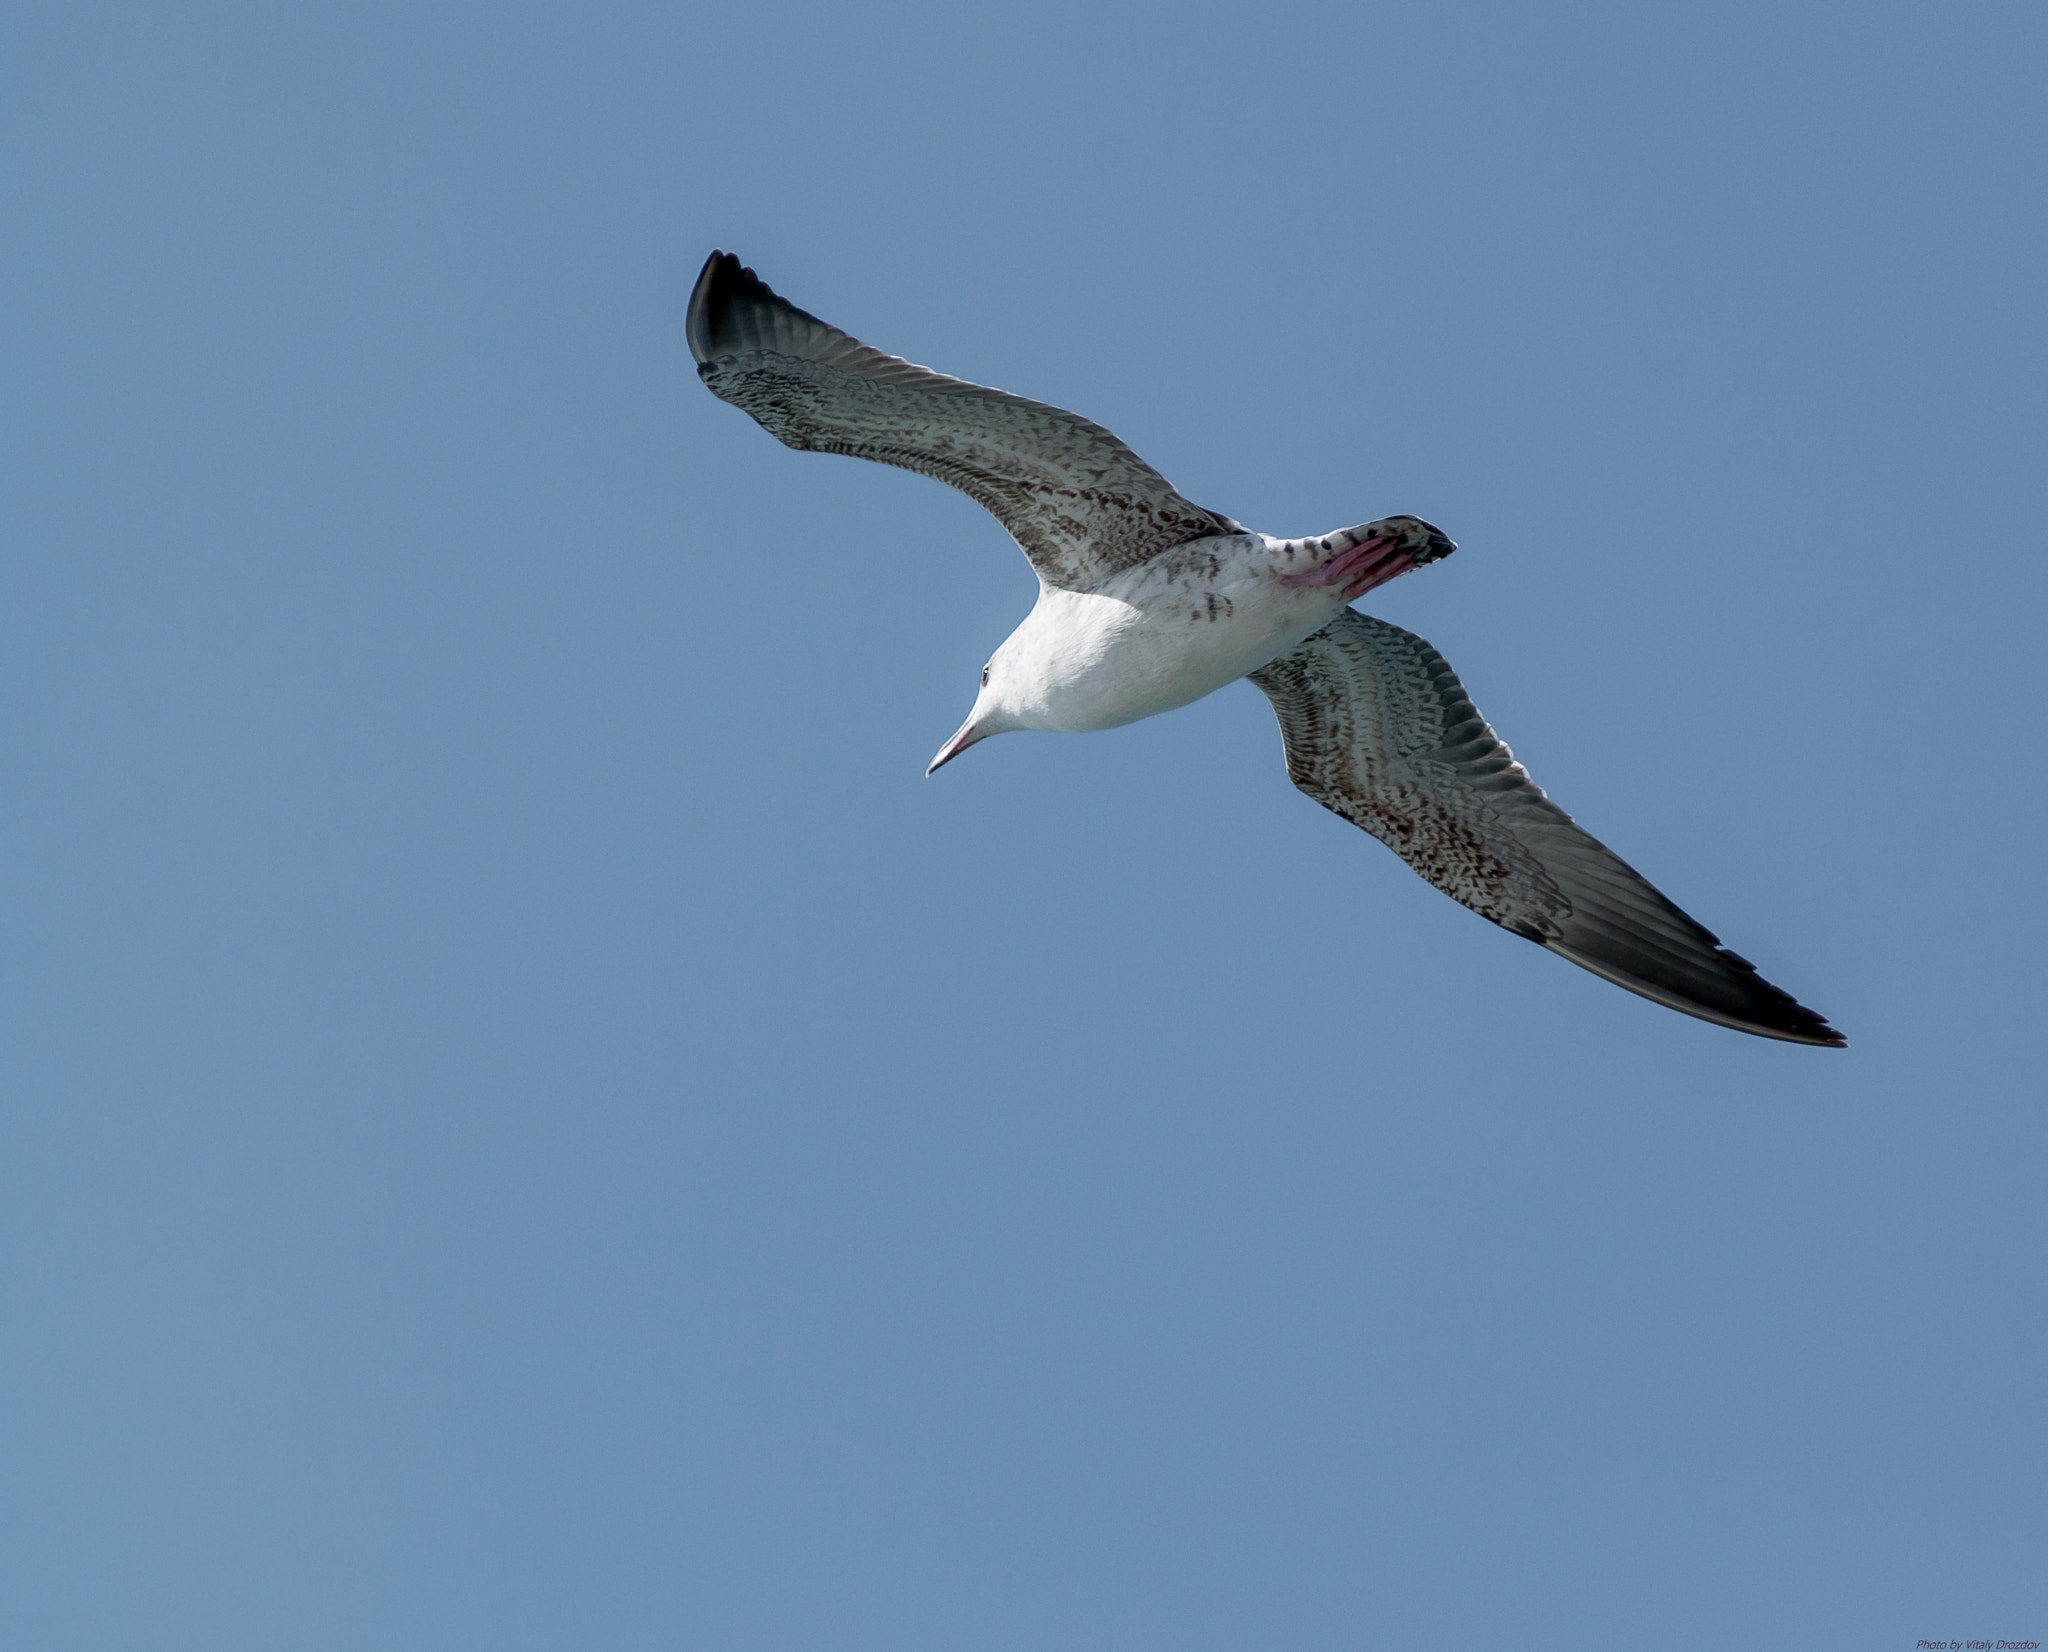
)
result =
(1147, 602)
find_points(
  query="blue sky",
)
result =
(530, 1124)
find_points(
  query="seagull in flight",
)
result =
(1147, 602)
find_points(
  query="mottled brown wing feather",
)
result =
(1378, 728)
(1081, 504)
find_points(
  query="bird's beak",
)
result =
(954, 747)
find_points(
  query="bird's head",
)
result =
(992, 714)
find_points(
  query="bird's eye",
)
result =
(984, 676)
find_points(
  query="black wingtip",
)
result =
(1800, 1025)
(1736, 997)
(721, 284)
(1778, 1014)
(1821, 1034)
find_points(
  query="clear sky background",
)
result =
(529, 1124)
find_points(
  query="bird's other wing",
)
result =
(1082, 505)
(1378, 728)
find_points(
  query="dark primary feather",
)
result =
(1081, 504)
(1378, 728)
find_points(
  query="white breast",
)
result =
(1155, 637)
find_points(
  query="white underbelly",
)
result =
(1098, 661)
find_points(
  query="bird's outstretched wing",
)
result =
(1378, 728)
(1081, 504)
